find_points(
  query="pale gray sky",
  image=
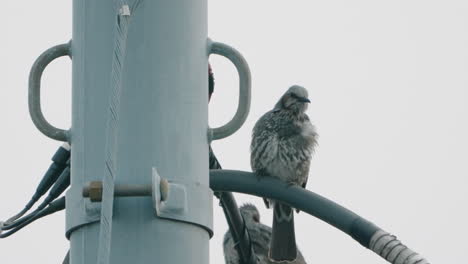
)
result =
(389, 88)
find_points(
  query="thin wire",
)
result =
(120, 46)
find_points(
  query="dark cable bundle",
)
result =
(53, 207)
(57, 177)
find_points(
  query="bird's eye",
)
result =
(294, 96)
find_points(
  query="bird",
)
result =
(260, 236)
(283, 141)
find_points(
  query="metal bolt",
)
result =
(93, 191)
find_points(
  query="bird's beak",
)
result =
(304, 99)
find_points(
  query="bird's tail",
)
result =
(283, 240)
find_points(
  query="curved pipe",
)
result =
(363, 231)
(34, 91)
(297, 197)
(243, 107)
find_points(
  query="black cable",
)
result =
(19, 221)
(234, 219)
(53, 207)
(297, 197)
(59, 162)
(59, 187)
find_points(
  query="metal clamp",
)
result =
(34, 91)
(171, 200)
(244, 90)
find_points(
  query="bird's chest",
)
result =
(291, 156)
(296, 139)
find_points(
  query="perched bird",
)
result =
(260, 236)
(283, 141)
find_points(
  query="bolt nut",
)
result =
(95, 191)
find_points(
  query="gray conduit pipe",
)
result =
(363, 231)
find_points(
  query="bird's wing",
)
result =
(264, 151)
(264, 147)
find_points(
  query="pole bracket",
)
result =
(171, 200)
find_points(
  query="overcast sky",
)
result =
(388, 82)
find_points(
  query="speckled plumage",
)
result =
(284, 140)
(260, 236)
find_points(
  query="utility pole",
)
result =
(160, 129)
(139, 118)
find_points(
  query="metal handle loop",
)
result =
(244, 90)
(34, 91)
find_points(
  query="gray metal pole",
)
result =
(161, 127)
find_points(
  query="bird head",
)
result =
(295, 99)
(250, 213)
